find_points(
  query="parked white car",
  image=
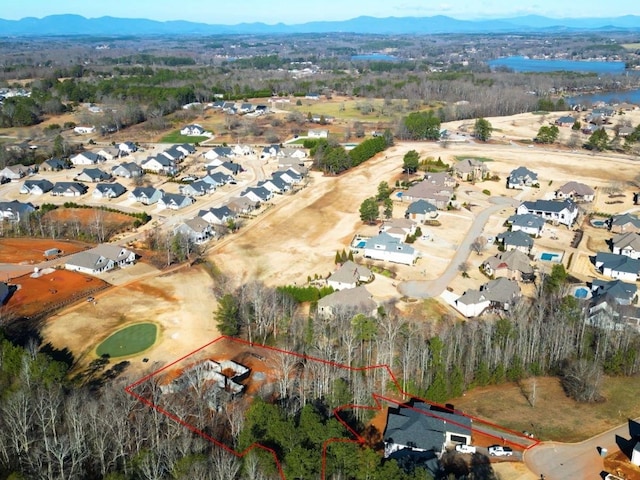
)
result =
(500, 451)
(465, 448)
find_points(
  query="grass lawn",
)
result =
(129, 341)
(177, 137)
(347, 109)
(554, 416)
(479, 159)
(299, 141)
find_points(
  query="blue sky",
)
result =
(290, 11)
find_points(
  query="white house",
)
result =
(527, 223)
(399, 227)
(387, 248)
(353, 300)
(159, 164)
(318, 133)
(99, 259)
(86, 158)
(349, 275)
(618, 267)
(175, 201)
(84, 130)
(194, 130)
(562, 212)
(36, 187)
(500, 293)
(108, 190)
(196, 229)
(522, 177)
(627, 244)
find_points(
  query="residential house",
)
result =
(399, 228)
(87, 158)
(127, 170)
(127, 148)
(471, 169)
(349, 275)
(194, 130)
(514, 265)
(231, 168)
(219, 153)
(618, 267)
(15, 172)
(565, 121)
(271, 151)
(312, 96)
(100, 259)
(288, 176)
(257, 194)
(108, 190)
(621, 292)
(417, 426)
(174, 201)
(578, 192)
(36, 187)
(54, 165)
(242, 205)
(197, 188)
(146, 195)
(291, 152)
(527, 223)
(68, 189)
(625, 131)
(186, 148)
(275, 185)
(109, 154)
(440, 179)
(318, 133)
(217, 215)
(517, 240)
(290, 162)
(160, 164)
(174, 154)
(606, 314)
(421, 211)
(500, 294)
(626, 244)
(246, 108)
(522, 177)
(563, 212)
(624, 223)
(196, 229)
(390, 249)
(217, 179)
(436, 194)
(92, 175)
(14, 211)
(351, 301)
(80, 130)
(242, 150)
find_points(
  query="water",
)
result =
(374, 57)
(628, 96)
(549, 257)
(524, 64)
(581, 293)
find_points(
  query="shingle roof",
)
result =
(550, 205)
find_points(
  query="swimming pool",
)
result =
(550, 257)
(599, 223)
(361, 244)
(581, 292)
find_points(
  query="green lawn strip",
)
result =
(129, 340)
(177, 137)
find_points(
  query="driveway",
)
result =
(433, 288)
(560, 461)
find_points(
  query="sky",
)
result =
(296, 11)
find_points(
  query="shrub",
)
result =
(486, 192)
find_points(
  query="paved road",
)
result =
(562, 461)
(433, 288)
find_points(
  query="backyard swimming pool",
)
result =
(599, 223)
(361, 244)
(581, 292)
(550, 257)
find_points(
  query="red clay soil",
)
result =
(51, 291)
(31, 250)
(112, 221)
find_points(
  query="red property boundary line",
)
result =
(358, 439)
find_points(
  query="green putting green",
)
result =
(129, 341)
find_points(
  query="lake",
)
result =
(628, 96)
(374, 57)
(524, 64)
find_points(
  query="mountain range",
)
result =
(111, 26)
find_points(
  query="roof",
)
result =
(197, 224)
(421, 207)
(421, 425)
(44, 184)
(616, 289)
(468, 165)
(88, 260)
(64, 186)
(527, 220)
(624, 219)
(16, 207)
(387, 242)
(629, 240)
(111, 251)
(115, 187)
(501, 290)
(618, 263)
(514, 260)
(357, 298)
(576, 188)
(517, 239)
(523, 172)
(402, 223)
(349, 272)
(144, 192)
(554, 206)
(94, 173)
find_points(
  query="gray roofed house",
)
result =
(274, 185)
(173, 153)
(241, 205)
(527, 223)
(232, 168)
(353, 300)
(217, 215)
(624, 223)
(54, 165)
(471, 169)
(522, 177)
(622, 292)
(576, 191)
(197, 188)
(387, 248)
(86, 158)
(565, 121)
(257, 194)
(421, 211)
(108, 190)
(217, 179)
(605, 313)
(419, 426)
(127, 148)
(92, 175)
(399, 227)
(36, 187)
(15, 172)
(517, 240)
(174, 201)
(186, 148)
(68, 189)
(159, 164)
(618, 267)
(290, 176)
(437, 194)
(193, 130)
(563, 212)
(500, 293)
(196, 229)
(99, 259)
(626, 244)
(146, 195)
(15, 211)
(513, 264)
(349, 275)
(127, 170)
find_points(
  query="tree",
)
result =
(599, 140)
(482, 129)
(479, 244)
(547, 134)
(369, 210)
(411, 162)
(576, 125)
(228, 315)
(422, 126)
(383, 191)
(388, 208)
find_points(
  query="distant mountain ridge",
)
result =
(440, 24)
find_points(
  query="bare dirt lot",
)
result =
(180, 303)
(50, 290)
(31, 250)
(92, 219)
